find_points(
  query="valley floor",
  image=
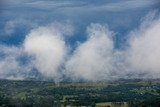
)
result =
(120, 93)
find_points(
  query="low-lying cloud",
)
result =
(47, 47)
(95, 59)
(10, 67)
(144, 50)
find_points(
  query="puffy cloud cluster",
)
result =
(44, 48)
(95, 59)
(48, 50)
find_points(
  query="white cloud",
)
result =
(9, 66)
(95, 59)
(144, 50)
(48, 49)
(12, 25)
(44, 48)
(92, 60)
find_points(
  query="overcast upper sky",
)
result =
(79, 39)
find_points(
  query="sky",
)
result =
(76, 40)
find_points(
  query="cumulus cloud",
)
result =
(92, 60)
(144, 51)
(47, 48)
(43, 50)
(95, 59)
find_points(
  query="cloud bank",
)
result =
(95, 59)
(144, 50)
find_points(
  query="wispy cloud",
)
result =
(43, 4)
(8, 63)
(11, 26)
(116, 6)
(53, 4)
(83, 5)
(127, 4)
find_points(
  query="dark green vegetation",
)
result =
(136, 93)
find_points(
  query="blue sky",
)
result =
(71, 18)
(121, 16)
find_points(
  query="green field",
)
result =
(112, 104)
(120, 93)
